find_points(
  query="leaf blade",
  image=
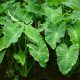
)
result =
(67, 57)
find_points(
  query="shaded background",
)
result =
(51, 72)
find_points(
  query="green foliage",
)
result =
(20, 57)
(2, 8)
(54, 2)
(31, 1)
(53, 15)
(74, 32)
(34, 8)
(2, 42)
(38, 49)
(39, 52)
(27, 27)
(33, 34)
(2, 56)
(53, 33)
(24, 15)
(11, 34)
(2, 21)
(73, 3)
(67, 57)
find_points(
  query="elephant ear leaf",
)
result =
(33, 34)
(54, 2)
(34, 8)
(38, 48)
(14, 19)
(74, 33)
(75, 4)
(67, 57)
(2, 56)
(20, 57)
(53, 34)
(53, 14)
(11, 34)
(39, 52)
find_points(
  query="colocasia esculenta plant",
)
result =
(28, 27)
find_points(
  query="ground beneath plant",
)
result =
(51, 72)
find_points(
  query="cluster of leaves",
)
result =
(58, 20)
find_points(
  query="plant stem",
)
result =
(19, 46)
(25, 65)
(15, 64)
(35, 24)
(15, 48)
(30, 68)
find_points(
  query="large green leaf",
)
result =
(33, 34)
(34, 8)
(53, 14)
(20, 57)
(73, 3)
(2, 56)
(67, 57)
(57, 15)
(14, 19)
(19, 14)
(74, 32)
(53, 34)
(75, 15)
(54, 2)
(25, 16)
(12, 33)
(38, 49)
(39, 52)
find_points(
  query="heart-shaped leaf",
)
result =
(53, 34)
(38, 49)
(39, 52)
(67, 57)
(11, 34)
